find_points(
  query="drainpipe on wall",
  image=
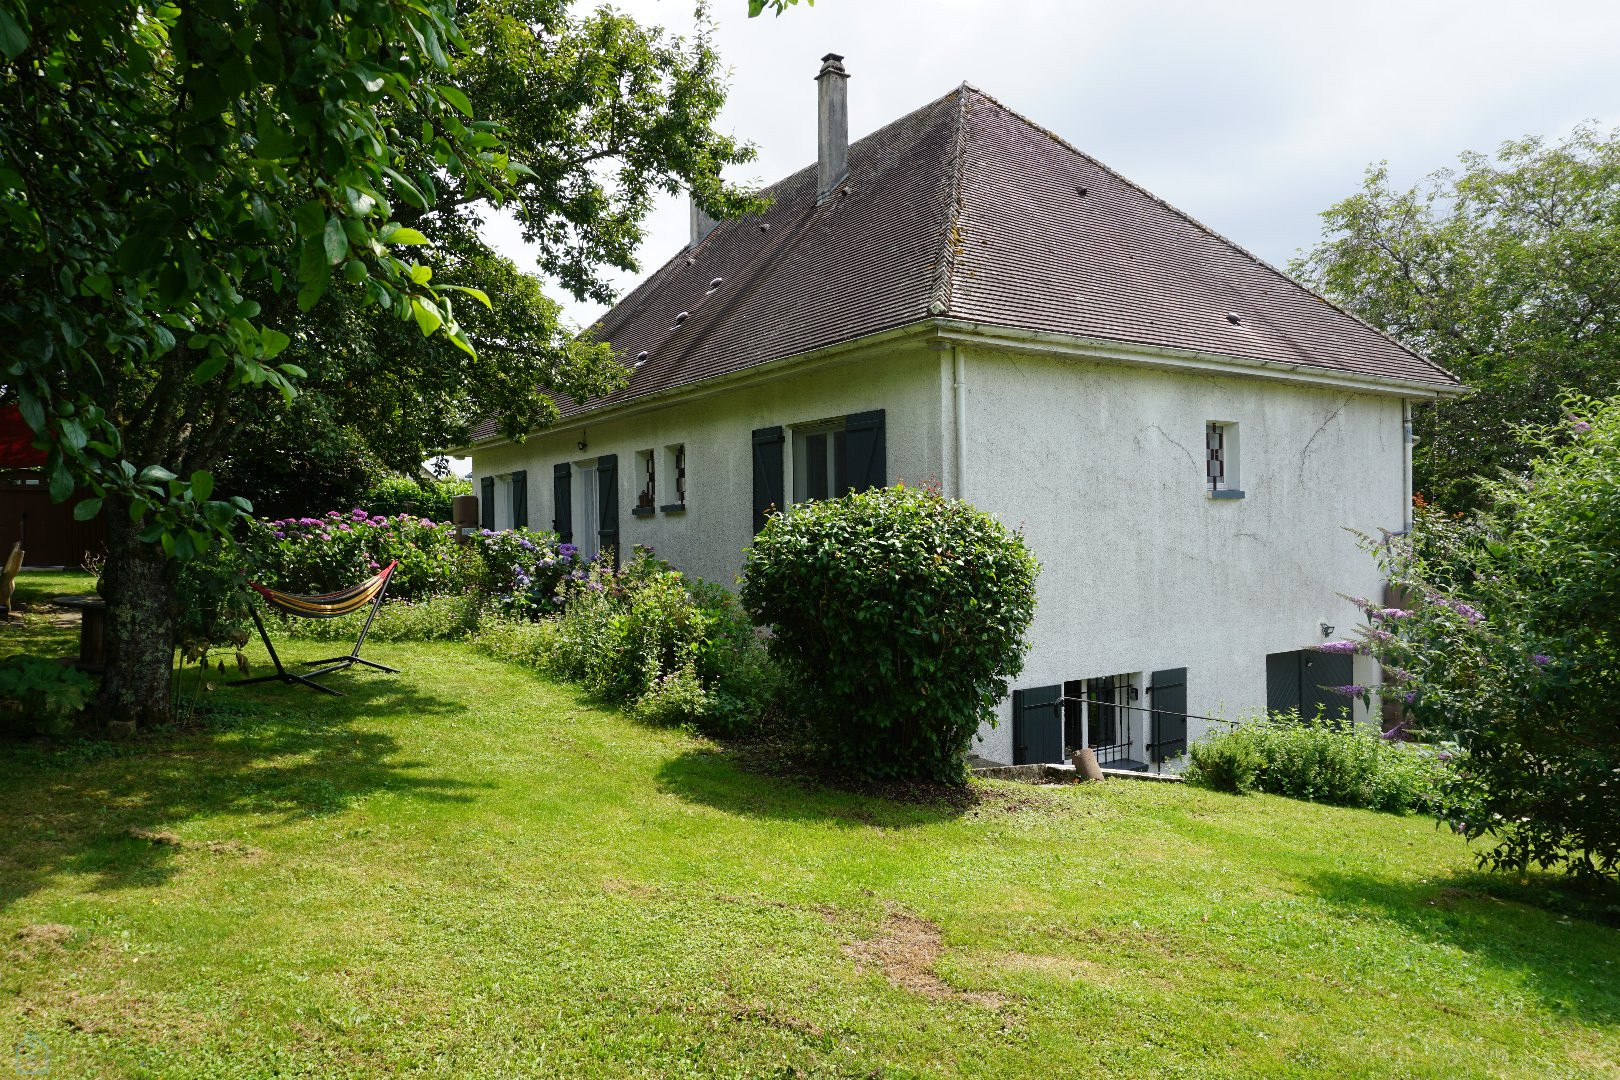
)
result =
(1407, 441)
(959, 392)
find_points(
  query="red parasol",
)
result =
(17, 441)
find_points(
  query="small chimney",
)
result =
(702, 225)
(832, 126)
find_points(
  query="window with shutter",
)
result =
(1168, 739)
(767, 473)
(607, 505)
(520, 499)
(1038, 725)
(486, 503)
(834, 457)
(562, 502)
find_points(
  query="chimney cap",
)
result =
(832, 64)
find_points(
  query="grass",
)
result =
(38, 627)
(469, 871)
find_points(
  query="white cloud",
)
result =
(1251, 116)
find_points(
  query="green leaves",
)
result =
(13, 38)
(428, 318)
(335, 241)
(904, 613)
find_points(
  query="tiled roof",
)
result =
(966, 210)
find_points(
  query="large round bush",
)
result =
(902, 615)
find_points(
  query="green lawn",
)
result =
(469, 871)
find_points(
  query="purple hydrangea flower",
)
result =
(1409, 697)
(1541, 659)
(425, 523)
(280, 535)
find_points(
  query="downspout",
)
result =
(959, 393)
(1407, 441)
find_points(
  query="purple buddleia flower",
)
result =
(1337, 647)
(1541, 659)
(1391, 613)
(1349, 690)
(1409, 697)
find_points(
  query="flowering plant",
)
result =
(342, 548)
(1506, 645)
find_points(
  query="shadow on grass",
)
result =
(717, 778)
(1543, 927)
(273, 754)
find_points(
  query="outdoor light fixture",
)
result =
(1327, 628)
(582, 440)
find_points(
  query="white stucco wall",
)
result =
(708, 539)
(1100, 462)
(1102, 465)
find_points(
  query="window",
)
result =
(647, 499)
(675, 477)
(819, 461)
(834, 457)
(1099, 713)
(1221, 460)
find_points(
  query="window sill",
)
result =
(642, 511)
(1226, 493)
(673, 508)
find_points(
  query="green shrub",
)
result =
(903, 615)
(1506, 646)
(672, 649)
(1320, 760)
(518, 641)
(438, 618)
(41, 697)
(391, 496)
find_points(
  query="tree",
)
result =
(194, 194)
(1507, 272)
(1507, 646)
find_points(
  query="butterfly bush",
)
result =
(1505, 645)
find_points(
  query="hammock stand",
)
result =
(329, 606)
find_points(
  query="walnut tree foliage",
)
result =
(1506, 271)
(209, 207)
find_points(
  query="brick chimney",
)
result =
(832, 126)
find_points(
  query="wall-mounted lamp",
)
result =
(582, 440)
(1327, 628)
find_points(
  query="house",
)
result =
(962, 298)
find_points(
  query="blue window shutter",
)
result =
(562, 502)
(767, 473)
(607, 490)
(520, 499)
(1038, 726)
(866, 452)
(1168, 688)
(486, 502)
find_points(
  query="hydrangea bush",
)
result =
(1507, 645)
(340, 549)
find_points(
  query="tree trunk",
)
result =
(140, 630)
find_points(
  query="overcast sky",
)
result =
(1250, 116)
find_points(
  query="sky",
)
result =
(1251, 116)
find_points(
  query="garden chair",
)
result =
(8, 578)
(329, 606)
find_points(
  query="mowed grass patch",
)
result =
(467, 870)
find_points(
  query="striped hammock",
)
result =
(328, 605)
(368, 595)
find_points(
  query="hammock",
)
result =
(368, 593)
